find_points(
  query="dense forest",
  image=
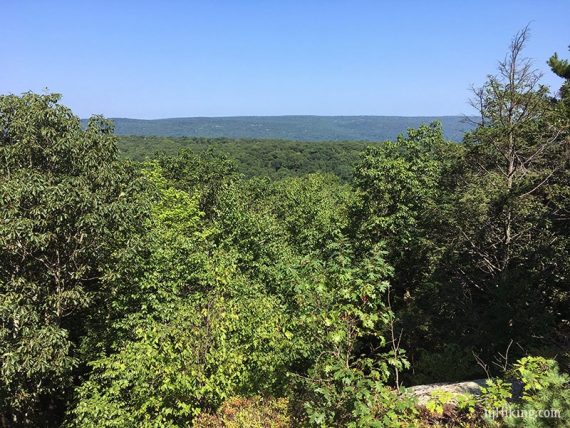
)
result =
(256, 158)
(295, 128)
(204, 288)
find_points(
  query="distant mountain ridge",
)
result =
(297, 128)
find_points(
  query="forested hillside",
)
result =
(263, 158)
(189, 289)
(297, 128)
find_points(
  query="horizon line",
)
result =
(284, 115)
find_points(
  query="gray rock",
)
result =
(423, 392)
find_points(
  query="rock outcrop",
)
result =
(422, 392)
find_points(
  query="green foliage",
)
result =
(180, 290)
(396, 183)
(355, 397)
(560, 67)
(489, 244)
(500, 212)
(205, 174)
(555, 397)
(400, 201)
(544, 392)
(544, 389)
(496, 394)
(276, 159)
(466, 403)
(68, 212)
(204, 332)
(344, 315)
(536, 374)
(439, 398)
(202, 353)
(313, 210)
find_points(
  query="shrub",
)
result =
(544, 388)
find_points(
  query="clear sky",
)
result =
(155, 59)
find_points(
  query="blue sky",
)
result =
(158, 59)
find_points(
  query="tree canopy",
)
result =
(186, 289)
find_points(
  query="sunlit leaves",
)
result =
(67, 214)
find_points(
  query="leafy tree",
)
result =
(246, 225)
(313, 209)
(499, 232)
(344, 320)
(186, 360)
(396, 183)
(561, 68)
(204, 174)
(67, 212)
(503, 217)
(203, 331)
(400, 200)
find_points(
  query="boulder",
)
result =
(423, 392)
